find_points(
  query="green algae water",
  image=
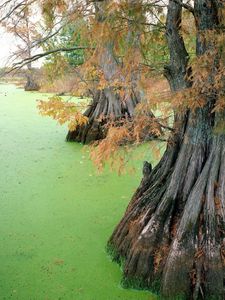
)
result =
(56, 213)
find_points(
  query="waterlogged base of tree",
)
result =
(97, 130)
(172, 236)
(88, 133)
(140, 284)
(31, 86)
(171, 239)
(105, 107)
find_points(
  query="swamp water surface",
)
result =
(56, 213)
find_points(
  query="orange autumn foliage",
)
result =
(63, 112)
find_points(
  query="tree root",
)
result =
(170, 218)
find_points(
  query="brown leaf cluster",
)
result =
(63, 112)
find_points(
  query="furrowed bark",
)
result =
(171, 238)
(107, 104)
(31, 84)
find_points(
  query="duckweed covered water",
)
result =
(56, 214)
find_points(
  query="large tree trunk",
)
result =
(107, 104)
(105, 107)
(172, 236)
(31, 84)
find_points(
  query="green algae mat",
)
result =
(56, 213)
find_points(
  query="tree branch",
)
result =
(46, 38)
(24, 62)
(13, 9)
(186, 6)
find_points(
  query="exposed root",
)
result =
(173, 216)
(106, 105)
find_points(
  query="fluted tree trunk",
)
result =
(31, 83)
(107, 104)
(172, 237)
(25, 35)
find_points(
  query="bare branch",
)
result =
(24, 62)
(46, 38)
(185, 5)
(21, 5)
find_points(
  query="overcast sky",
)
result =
(7, 46)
